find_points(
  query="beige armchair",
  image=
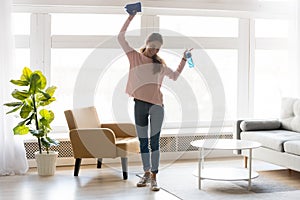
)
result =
(90, 139)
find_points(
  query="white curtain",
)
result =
(12, 152)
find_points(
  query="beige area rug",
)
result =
(180, 181)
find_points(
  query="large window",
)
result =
(225, 59)
(68, 59)
(66, 64)
(271, 82)
(21, 31)
(273, 69)
(226, 62)
(261, 56)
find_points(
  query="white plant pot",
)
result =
(46, 163)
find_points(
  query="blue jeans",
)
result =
(143, 113)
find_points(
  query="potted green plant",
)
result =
(32, 99)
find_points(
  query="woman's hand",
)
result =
(184, 53)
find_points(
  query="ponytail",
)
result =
(158, 64)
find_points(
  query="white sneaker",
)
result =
(143, 181)
(154, 186)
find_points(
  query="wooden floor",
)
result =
(91, 184)
(287, 177)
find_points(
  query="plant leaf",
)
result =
(45, 142)
(48, 142)
(53, 141)
(28, 101)
(20, 82)
(45, 96)
(14, 110)
(34, 83)
(20, 95)
(51, 90)
(37, 133)
(26, 74)
(47, 114)
(21, 130)
(45, 124)
(13, 104)
(43, 80)
(25, 111)
(45, 103)
(47, 117)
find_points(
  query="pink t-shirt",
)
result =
(143, 83)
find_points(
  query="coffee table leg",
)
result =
(199, 169)
(250, 169)
(200, 166)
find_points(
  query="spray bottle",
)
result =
(189, 59)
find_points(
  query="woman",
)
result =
(146, 74)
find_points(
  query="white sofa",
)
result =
(280, 138)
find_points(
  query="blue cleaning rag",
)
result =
(134, 8)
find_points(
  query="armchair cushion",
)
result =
(93, 143)
(255, 125)
(126, 146)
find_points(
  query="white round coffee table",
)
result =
(227, 174)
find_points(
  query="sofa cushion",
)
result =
(292, 147)
(253, 125)
(290, 114)
(272, 139)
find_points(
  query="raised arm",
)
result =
(175, 74)
(121, 37)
